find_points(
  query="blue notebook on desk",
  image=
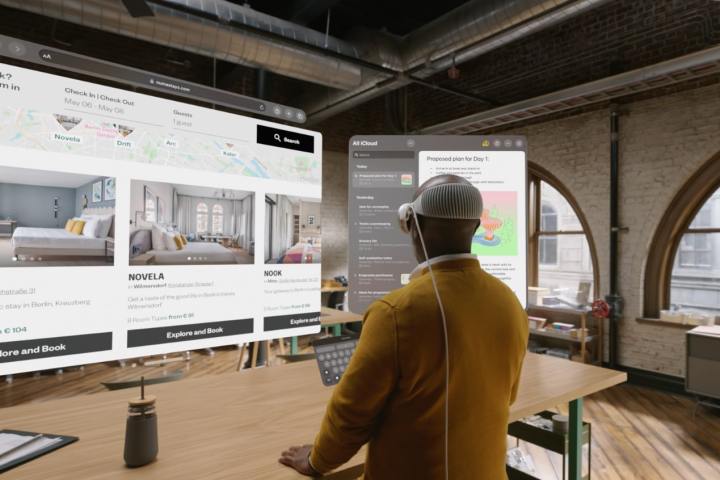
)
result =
(17, 447)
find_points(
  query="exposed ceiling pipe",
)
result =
(689, 67)
(470, 30)
(478, 27)
(366, 66)
(206, 27)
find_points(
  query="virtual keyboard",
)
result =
(333, 356)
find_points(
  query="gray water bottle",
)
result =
(141, 432)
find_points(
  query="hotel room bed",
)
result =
(202, 253)
(301, 253)
(56, 242)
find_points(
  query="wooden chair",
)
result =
(253, 359)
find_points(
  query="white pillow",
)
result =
(170, 241)
(143, 224)
(158, 238)
(104, 223)
(91, 227)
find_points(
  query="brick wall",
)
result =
(619, 36)
(662, 142)
(334, 214)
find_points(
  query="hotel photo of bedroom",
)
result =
(56, 219)
(173, 224)
(292, 230)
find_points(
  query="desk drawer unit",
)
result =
(703, 365)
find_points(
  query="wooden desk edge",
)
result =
(618, 378)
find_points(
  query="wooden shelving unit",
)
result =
(589, 347)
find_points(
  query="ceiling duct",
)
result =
(478, 27)
(218, 29)
(462, 34)
(364, 67)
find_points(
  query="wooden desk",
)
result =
(340, 289)
(331, 316)
(235, 425)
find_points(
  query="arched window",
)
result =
(562, 261)
(683, 266)
(202, 217)
(547, 244)
(217, 219)
(695, 278)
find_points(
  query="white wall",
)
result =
(310, 209)
(334, 214)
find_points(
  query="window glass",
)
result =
(202, 217)
(568, 281)
(565, 217)
(709, 214)
(217, 219)
(565, 266)
(150, 207)
(695, 279)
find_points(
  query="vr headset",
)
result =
(457, 201)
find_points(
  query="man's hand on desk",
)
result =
(299, 459)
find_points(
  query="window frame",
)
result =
(675, 223)
(694, 250)
(149, 195)
(536, 175)
(218, 212)
(207, 217)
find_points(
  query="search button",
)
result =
(276, 137)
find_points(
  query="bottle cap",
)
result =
(142, 400)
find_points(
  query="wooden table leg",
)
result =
(255, 348)
(575, 439)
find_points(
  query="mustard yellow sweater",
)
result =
(391, 396)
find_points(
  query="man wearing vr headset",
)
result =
(438, 362)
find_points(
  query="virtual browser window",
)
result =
(132, 225)
(385, 171)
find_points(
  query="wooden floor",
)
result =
(638, 433)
